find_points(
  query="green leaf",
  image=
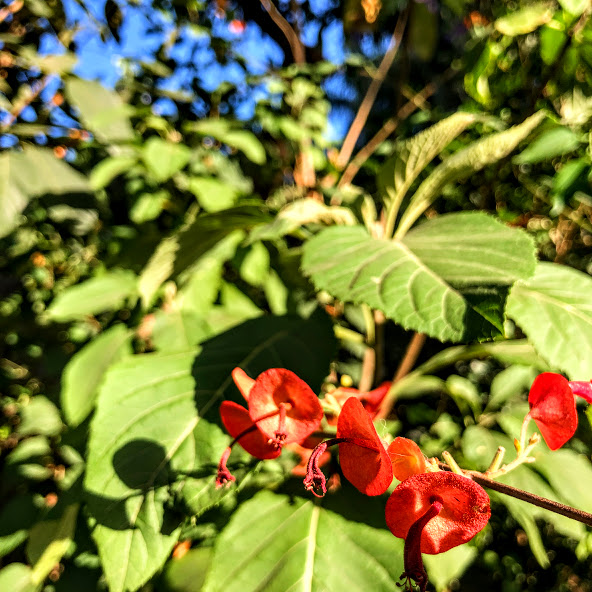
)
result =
(472, 248)
(178, 330)
(16, 577)
(553, 39)
(509, 383)
(163, 159)
(410, 281)
(48, 64)
(413, 155)
(34, 172)
(445, 567)
(474, 157)
(102, 111)
(180, 251)
(574, 7)
(525, 20)
(49, 541)
(212, 194)
(254, 268)
(153, 425)
(549, 144)
(85, 371)
(110, 168)
(188, 573)
(148, 206)
(39, 416)
(18, 514)
(298, 213)
(276, 542)
(465, 394)
(105, 292)
(554, 309)
(242, 140)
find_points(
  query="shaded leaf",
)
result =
(445, 567)
(554, 309)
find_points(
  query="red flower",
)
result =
(434, 512)
(370, 400)
(282, 409)
(553, 408)
(364, 461)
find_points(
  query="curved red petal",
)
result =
(372, 399)
(236, 420)
(406, 457)
(553, 408)
(244, 383)
(582, 388)
(278, 385)
(367, 465)
(465, 509)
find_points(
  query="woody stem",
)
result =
(531, 498)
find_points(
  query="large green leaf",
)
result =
(472, 248)
(156, 422)
(554, 309)
(102, 110)
(85, 371)
(414, 154)
(474, 157)
(183, 249)
(410, 281)
(34, 172)
(105, 292)
(278, 543)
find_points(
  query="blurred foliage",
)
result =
(167, 223)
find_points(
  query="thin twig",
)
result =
(531, 498)
(407, 362)
(390, 125)
(290, 34)
(37, 88)
(364, 110)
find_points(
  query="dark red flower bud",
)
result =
(553, 408)
(582, 389)
(435, 512)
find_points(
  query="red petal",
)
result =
(406, 458)
(372, 399)
(582, 389)
(279, 385)
(466, 509)
(236, 420)
(553, 408)
(243, 382)
(366, 465)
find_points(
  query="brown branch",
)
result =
(531, 498)
(285, 27)
(390, 125)
(407, 362)
(359, 121)
(37, 88)
(368, 368)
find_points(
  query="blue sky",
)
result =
(106, 60)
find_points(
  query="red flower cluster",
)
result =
(282, 409)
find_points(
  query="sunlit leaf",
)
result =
(526, 20)
(276, 542)
(554, 309)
